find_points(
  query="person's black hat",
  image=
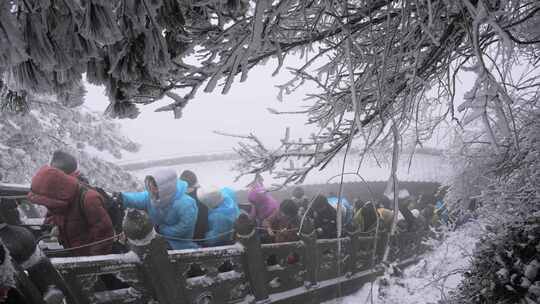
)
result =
(64, 161)
(289, 208)
(298, 192)
(190, 178)
(320, 202)
(359, 203)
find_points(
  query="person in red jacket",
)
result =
(77, 211)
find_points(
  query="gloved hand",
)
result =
(55, 232)
(53, 295)
(118, 200)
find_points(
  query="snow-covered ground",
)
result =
(431, 279)
(423, 168)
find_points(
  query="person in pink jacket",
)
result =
(264, 205)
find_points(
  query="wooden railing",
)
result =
(85, 276)
(245, 272)
(310, 270)
(221, 277)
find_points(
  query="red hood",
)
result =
(52, 188)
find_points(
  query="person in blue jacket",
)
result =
(170, 209)
(441, 211)
(347, 211)
(223, 211)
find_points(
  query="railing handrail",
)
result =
(90, 261)
(231, 271)
(129, 260)
(232, 250)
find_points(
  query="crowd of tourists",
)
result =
(87, 220)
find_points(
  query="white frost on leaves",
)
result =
(14, 125)
(28, 141)
(429, 281)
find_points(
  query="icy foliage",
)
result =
(377, 63)
(428, 281)
(504, 180)
(517, 173)
(127, 46)
(405, 56)
(496, 164)
(28, 140)
(506, 267)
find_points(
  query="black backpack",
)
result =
(114, 209)
(201, 225)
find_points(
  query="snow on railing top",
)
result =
(14, 186)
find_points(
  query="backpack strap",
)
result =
(115, 209)
(80, 205)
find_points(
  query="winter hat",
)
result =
(64, 161)
(289, 208)
(359, 203)
(320, 202)
(211, 197)
(298, 192)
(403, 194)
(189, 177)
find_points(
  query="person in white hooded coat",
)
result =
(170, 209)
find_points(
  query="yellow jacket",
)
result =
(384, 216)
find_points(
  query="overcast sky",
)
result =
(241, 111)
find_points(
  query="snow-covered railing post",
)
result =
(157, 269)
(308, 235)
(382, 242)
(26, 288)
(43, 284)
(246, 233)
(353, 253)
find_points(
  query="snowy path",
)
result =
(431, 279)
